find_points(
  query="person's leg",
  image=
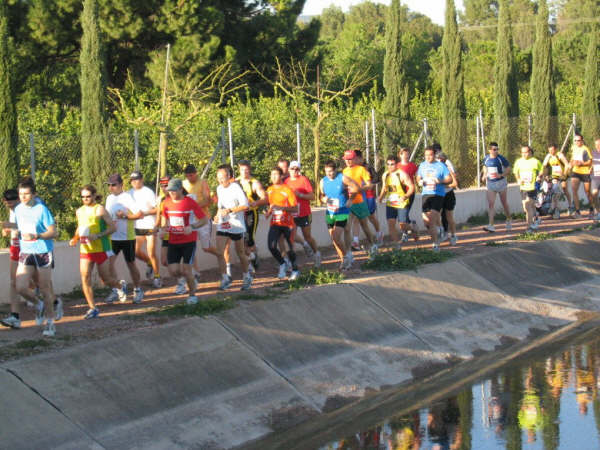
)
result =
(588, 193)
(375, 221)
(337, 237)
(175, 270)
(287, 233)
(565, 188)
(504, 201)
(240, 249)
(151, 243)
(15, 301)
(106, 277)
(444, 218)
(222, 243)
(431, 219)
(491, 200)
(140, 253)
(23, 278)
(273, 242)
(45, 284)
(364, 224)
(392, 230)
(575, 186)
(86, 267)
(188, 273)
(451, 222)
(306, 233)
(135, 273)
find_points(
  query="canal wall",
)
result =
(220, 381)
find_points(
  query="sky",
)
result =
(432, 8)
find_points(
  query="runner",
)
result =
(358, 206)
(398, 188)
(232, 204)
(124, 212)
(145, 198)
(282, 204)
(596, 178)
(581, 166)
(37, 230)
(302, 189)
(410, 168)
(528, 170)
(334, 193)
(369, 195)
(254, 192)
(284, 165)
(447, 213)
(432, 175)
(496, 169)
(555, 164)
(178, 214)
(94, 225)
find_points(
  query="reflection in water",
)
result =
(530, 406)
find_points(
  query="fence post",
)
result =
(223, 147)
(425, 132)
(230, 145)
(478, 154)
(373, 129)
(32, 155)
(367, 139)
(529, 130)
(136, 148)
(298, 141)
(482, 130)
(574, 126)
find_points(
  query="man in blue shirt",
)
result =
(495, 172)
(433, 176)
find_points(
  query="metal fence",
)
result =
(55, 160)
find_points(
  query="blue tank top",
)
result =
(337, 195)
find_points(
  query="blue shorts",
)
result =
(399, 214)
(372, 205)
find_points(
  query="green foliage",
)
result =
(202, 308)
(398, 260)
(534, 236)
(315, 277)
(591, 89)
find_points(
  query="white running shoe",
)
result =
(11, 322)
(435, 247)
(556, 214)
(247, 282)
(114, 295)
(508, 225)
(308, 250)
(191, 300)
(373, 250)
(444, 237)
(181, 287)
(225, 282)
(491, 228)
(318, 259)
(157, 283)
(138, 295)
(59, 311)
(282, 271)
(288, 264)
(404, 237)
(535, 225)
(294, 276)
(347, 263)
(39, 312)
(121, 295)
(50, 329)
(453, 239)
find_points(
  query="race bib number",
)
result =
(526, 178)
(176, 224)
(84, 233)
(278, 216)
(333, 205)
(557, 170)
(14, 242)
(492, 172)
(394, 200)
(224, 225)
(597, 170)
(430, 183)
(28, 229)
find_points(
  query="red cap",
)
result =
(349, 154)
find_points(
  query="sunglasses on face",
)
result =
(86, 196)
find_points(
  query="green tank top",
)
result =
(88, 222)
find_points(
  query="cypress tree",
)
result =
(506, 91)
(591, 88)
(453, 95)
(396, 104)
(543, 100)
(95, 150)
(9, 157)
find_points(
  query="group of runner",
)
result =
(180, 216)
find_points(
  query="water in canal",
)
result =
(548, 403)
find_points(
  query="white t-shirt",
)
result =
(125, 227)
(145, 200)
(451, 169)
(231, 197)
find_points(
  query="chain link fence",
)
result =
(55, 160)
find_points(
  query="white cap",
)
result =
(295, 164)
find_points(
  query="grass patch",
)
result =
(315, 277)
(202, 308)
(398, 260)
(495, 244)
(538, 236)
(268, 294)
(32, 344)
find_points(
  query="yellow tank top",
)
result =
(556, 166)
(247, 188)
(88, 222)
(395, 190)
(582, 154)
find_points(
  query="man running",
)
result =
(181, 217)
(496, 169)
(145, 198)
(581, 167)
(37, 230)
(596, 178)
(94, 227)
(447, 213)
(232, 204)
(555, 165)
(284, 165)
(432, 175)
(254, 192)
(528, 170)
(369, 196)
(359, 209)
(398, 188)
(124, 212)
(303, 190)
(282, 204)
(334, 193)
(410, 168)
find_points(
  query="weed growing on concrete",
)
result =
(495, 244)
(540, 236)
(398, 260)
(202, 308)
(315, 277)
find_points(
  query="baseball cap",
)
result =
(175, 184)
(136, 175)
(349, 154)
(244, 162)
(164, 180)
(295, 164)
(115, 178)
(190, 168)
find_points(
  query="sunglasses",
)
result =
(112, 184)
(86, 196)
(578, 140)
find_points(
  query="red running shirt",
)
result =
(179, 215)
(301, 185)
(410, 169)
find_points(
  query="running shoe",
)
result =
(379, 237)
(288, 264)
(181, 287)
(247, 282)
(92, 313)
(435, 247)
(254, 260)
(491, 228)
(121, 295)
(556, 214)
(149, 272)
(59, 311)
(535, 225)
(508, 225)
(138, 295)
(373, 250)
(404, 237)
(123, 284)
(11, 322)
(50, 329)
(318, 259)
(444, 236)
(39, 312)
(530, 229)
(225, 282)
(576, 215)
(228, 270)
(347, 264)
(251, 267)
(453, 239)
(308, 250)
(282, 271)
(294, 276)
(114, 295)
(157, 283)
(191, 300)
